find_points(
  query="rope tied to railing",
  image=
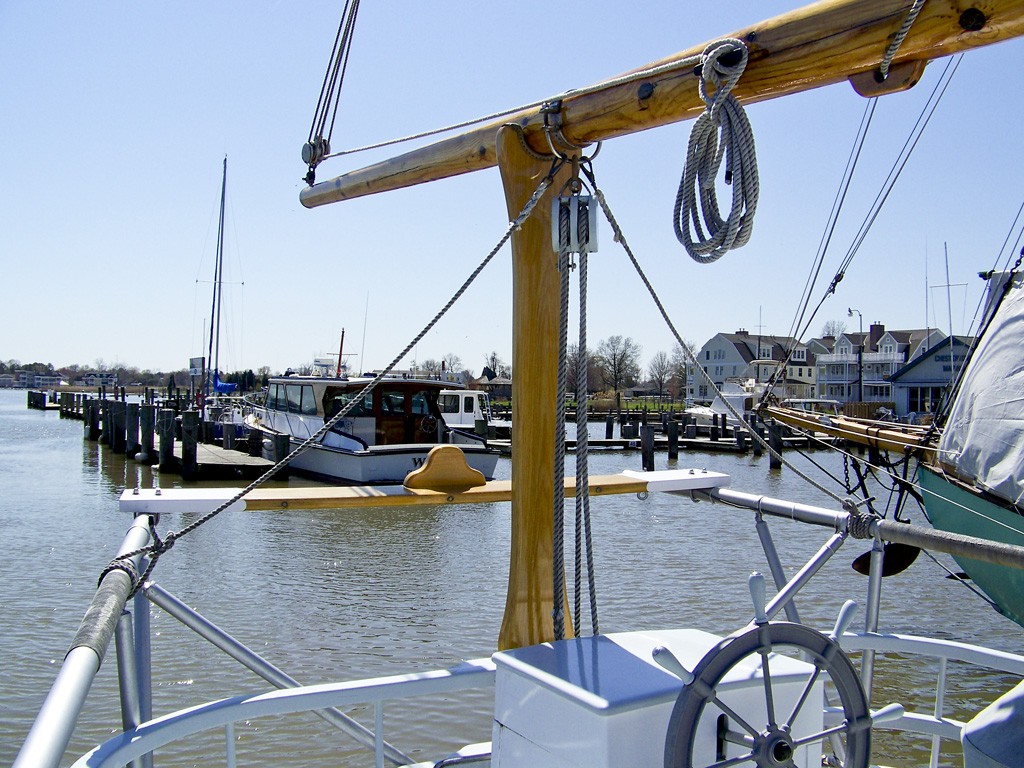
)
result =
(721, 132)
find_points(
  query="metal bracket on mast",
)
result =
(902, 77)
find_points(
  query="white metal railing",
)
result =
(149, 736)
(479, 674)
(933, 724)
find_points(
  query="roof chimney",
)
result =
(875, 333)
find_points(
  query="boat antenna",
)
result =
(341, 346)
(362, 348)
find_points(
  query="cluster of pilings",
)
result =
(146, 430)
(717, 436)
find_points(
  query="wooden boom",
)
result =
(817, 45)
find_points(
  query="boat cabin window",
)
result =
(448, 403)
(467, 403)
(308, 401)
(363, 408)
(420, 403)
(392, 402)
(277, 398)
(294, 394)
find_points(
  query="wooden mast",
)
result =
(818, 45)
(536, 310)
(811, 47)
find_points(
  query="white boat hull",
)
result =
(380, 464)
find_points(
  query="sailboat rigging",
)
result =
(212, 384)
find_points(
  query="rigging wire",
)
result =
(681, 65)
(159, 546)
(927, 112)
(833, 218)
(318, 145)
(620, 238)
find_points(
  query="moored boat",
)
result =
(470, 410)
(386, 433)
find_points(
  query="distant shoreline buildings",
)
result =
(32, 380)
(907, 370)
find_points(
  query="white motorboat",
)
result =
(386, 433)
(470, 410)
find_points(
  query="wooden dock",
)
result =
(43, 401)
(214, 462)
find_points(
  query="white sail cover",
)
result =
(984, 435)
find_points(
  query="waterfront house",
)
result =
(860, 366)
(918, 386)
(733, 355)
(99, 379)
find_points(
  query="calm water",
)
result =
(339, 594)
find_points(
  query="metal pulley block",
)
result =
(579, 213)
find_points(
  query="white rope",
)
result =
(722, 131)
(897, 41)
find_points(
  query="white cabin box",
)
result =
(603, 702)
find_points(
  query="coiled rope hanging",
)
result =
(722, 131)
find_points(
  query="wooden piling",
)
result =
(647, 448)
(147, 419)
(93, 419)
(755, 424)
(255, 439)
(131, 425)
(282, 445)
(775, 443)
(165, 431)
(189, 445)
(117, 422)
(673, 440)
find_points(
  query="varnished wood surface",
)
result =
(814, 46)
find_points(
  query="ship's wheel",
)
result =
(781, 721)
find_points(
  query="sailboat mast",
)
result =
(218, 277)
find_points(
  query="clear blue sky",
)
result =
(115, 117)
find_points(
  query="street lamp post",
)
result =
(860, 353)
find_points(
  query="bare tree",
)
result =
(678, 377)
(452, 362)
(572, 367)
(659, 371)
(833, 328)
(498, 366)
(618, 361)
